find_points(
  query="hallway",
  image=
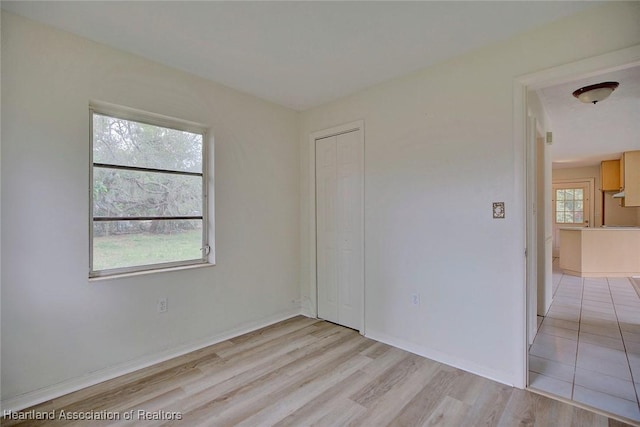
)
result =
(588, 346)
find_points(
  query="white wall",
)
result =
(56, 326)
(438, 150)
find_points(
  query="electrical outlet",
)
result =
(163, 305)
(415, 299)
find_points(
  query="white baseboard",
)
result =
(53, 391)
(441, 357)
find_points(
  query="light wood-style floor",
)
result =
(304, 372)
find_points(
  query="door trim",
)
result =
(592, 194)
(532, 208)
(313, 276)
(589, 183)
(615, 60)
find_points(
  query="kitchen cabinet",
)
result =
(630, 178)
(610, 175)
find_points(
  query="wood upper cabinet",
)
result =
(610, 175)
(630, 178)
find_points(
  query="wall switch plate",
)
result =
(415, 299)
(163, 305)
(498, 210)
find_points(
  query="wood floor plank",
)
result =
(154, 405)
(467, 387)
(392, 376)
(377, 350)
(242, 398)
(303, 394)
(489, 406)
(326, 402)
(275, 329)
(304, 372)
(241, 369)
(523, 407)
(267, 340)
(383, 362)
(389, 404)
(282, 352)
(450, 412)
(588, 418)
(221, 388)
(277, 385)
(419, 409)
(343, 412)
(317, 409)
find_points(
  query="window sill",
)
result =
(147, 272)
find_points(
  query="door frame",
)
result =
(357, 125)
(531, 218)
(523, 162)
(592, 193)
(590, 184)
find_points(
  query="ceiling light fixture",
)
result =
(595, 93)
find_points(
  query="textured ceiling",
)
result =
(585, 134)
(297, 54)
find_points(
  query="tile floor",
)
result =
(588, 346)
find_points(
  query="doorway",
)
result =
(525, 159)
(575, 332)
(571, 207)
(339, 225)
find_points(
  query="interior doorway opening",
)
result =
(336, 162)
(571, 206)
(559, 214)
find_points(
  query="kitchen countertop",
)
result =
(601, 228)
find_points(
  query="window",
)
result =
(570, 206)
(148, 192)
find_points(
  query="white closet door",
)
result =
(339, 181)
(326, 224)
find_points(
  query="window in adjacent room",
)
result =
(569, 206)
(148, 192)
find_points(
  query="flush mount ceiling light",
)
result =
(595, 93)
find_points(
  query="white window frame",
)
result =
(126, 113)
(574, 210)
